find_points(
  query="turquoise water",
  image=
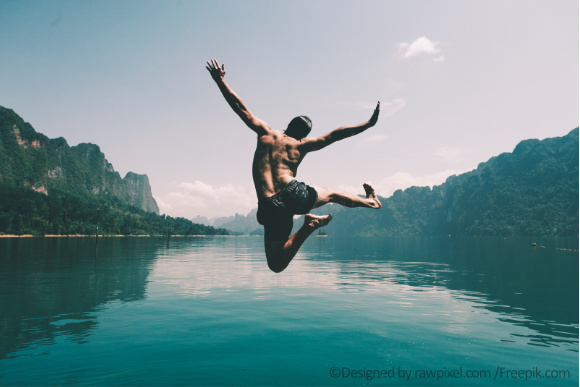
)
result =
(360, 312)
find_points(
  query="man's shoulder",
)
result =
(272, 136)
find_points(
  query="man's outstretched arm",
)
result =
(260, 127)
(317, 143)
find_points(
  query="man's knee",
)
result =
(275, 265)
(274, 257)
(275, 268)
(323, 196)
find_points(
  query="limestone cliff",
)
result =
(139, 192)
(30, 159)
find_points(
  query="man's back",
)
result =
(275, 164)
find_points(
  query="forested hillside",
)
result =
(49, 187)
(531, 191)
(30, 159)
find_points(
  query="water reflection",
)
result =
(52, 287)
(532, 288)
(536, 288)
(55, 287)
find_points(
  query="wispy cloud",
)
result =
(387, 108)
(199, 198)
(390, 108)
(421, 46)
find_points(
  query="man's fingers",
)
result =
(214, 69)
(375, 116)
(213, 65)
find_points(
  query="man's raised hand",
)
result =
(375, 116)
(214, 69)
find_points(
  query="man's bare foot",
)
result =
(370, 191)
(315, 221)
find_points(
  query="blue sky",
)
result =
(459, 82)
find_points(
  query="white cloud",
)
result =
(198, 198)
(164, 207)
(422, 45)
(189, 200)
(440, 58)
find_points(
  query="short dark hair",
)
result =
(299, 127)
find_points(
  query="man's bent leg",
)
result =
(280, 253)
(326, 195)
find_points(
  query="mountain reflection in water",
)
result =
(51, 287)
(417, 300)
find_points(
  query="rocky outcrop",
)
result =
(139, 192)
(30, 159)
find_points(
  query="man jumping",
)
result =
(274, 169)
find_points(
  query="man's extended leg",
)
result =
(326, 195)
(280, 253)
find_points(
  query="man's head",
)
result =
(299, 127)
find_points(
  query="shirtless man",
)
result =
(274, 168)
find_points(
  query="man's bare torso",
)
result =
(276, 161)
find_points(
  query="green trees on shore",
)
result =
(48, 187)
(24, 211)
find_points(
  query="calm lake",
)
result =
(361, 312)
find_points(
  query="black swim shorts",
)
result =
(276, 213)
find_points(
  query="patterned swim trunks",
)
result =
(276, 213)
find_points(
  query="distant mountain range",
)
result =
(531, 191)
(49, 187)
(238, 223)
